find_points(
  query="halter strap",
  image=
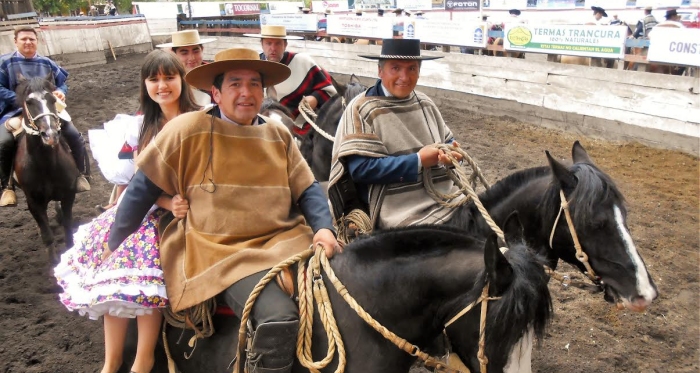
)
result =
(31, 128)
(580, 254)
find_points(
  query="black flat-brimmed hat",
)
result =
(514, 11)
(400, 49)
(599, 10)
(671, 13)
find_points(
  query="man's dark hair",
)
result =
(219, 81)
(174, 49)
(24, 29)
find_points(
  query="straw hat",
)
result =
(185, 39)
(203, 76)
(273, 32)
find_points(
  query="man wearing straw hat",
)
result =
(189, 49)
(308, 80)
(385, 139)
(244, 180)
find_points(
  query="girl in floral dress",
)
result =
(128, 282)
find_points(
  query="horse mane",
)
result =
(27, 86)
(594, 187)
(352, 89)
(432, 240)
(525, 303)
(511, 182)
(272, 104)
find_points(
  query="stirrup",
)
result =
(8, 198)
(81, 184)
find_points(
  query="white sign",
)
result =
(369, 27)
(573, 40)
(674, 45)
(336, 6)
(292, 22)
(468, 34)
(414, 4)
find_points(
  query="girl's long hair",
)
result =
(166, 63)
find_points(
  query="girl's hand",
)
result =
(180, 206)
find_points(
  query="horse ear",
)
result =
(50, 78)
(496, 265)
(567, 180)
(513, 228)
(354, 80)
(339, 87)
(579, 154)
(271, 92)
(20, 77)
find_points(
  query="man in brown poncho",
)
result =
(247, 187)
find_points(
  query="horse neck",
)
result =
(527, 199)
(425, 289)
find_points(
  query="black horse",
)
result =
(315, 148)
(599, 217)
(413, 280)
(44, 167)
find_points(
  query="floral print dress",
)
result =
(128, 283)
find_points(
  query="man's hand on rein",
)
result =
(326, 238)
(445, 160)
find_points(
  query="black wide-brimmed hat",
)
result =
(599, 10)
(671, 13)
(514, 11)
(400, 49)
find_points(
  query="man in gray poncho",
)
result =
(385, 139)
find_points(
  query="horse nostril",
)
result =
(44, 134)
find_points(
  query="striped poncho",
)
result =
(376, 126)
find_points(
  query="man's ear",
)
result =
(216, 95)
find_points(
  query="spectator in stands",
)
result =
(380, 12)
(26, 62)
(645, 24)
(672, 19)
(93, 11)
(598, 15)
(615, 21)
(308, 81)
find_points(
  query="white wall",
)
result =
(660, 110)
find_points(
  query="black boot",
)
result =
(76, 143)
(271, 349)
(7, 155)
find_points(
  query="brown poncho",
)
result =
(242, 217)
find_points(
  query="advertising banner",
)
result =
(292, 22)
(506, 4)
(368, 27)
(468, 34)
(462, 4)
(238, 9)
(674, 45)
(438, 4)
(573, 40)
(336, 6)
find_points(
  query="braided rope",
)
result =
(458, 175)
(307, 112)
(189, 319)
(357, 221)
(254, 295)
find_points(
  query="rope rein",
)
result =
(307, 112)
(31, 128)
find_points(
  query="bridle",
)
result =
(580, 254)
(31, 128)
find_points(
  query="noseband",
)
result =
(31, 128)
(580, 254)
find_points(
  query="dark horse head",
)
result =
(35, 97)
(598, 214)
(414, 281)
(315, 148)
(272, 108)
(44, 167)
